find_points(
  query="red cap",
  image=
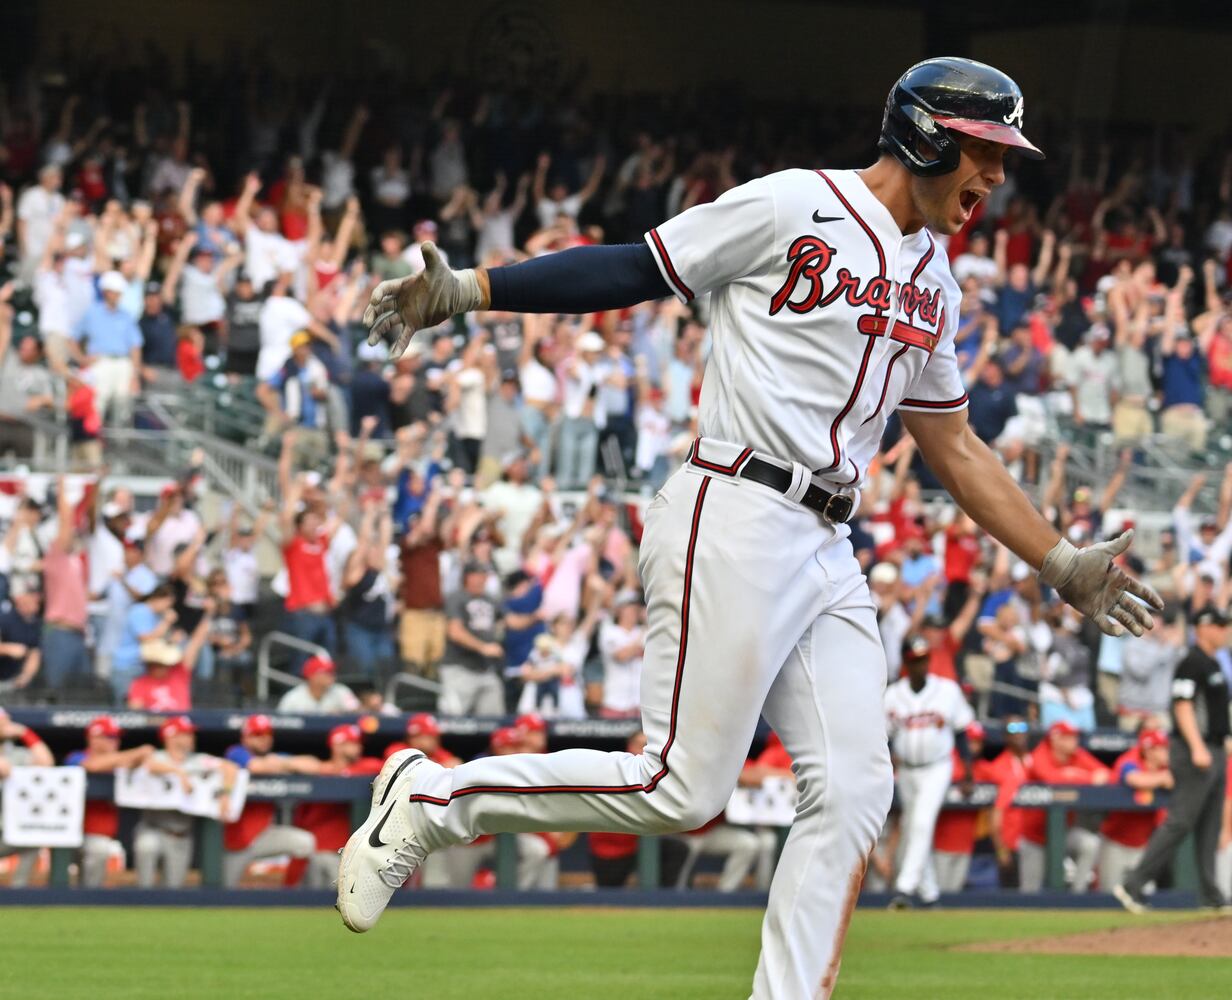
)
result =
(175, 725)
(975, 731)
(423, 724)
(104, 725)
(531, 722)
(1152, 738)
(1063, 726)
(348, 733)
(258, 725)
(504, 738)
(318, 665)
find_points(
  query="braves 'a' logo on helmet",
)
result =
(1015, 116)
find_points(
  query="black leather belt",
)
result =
(834, 507)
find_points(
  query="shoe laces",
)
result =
(407, 857)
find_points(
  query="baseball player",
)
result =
(423, 733)
(32, 752)
(101, 827)
(254, 834)
(1124, 834)
(923, 713)
(330, 822)
(831, 307)
(164, 835)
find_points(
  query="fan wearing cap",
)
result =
(470, 682)
(21, 633)
(20, 746)
(581, 416)
(320, 692)
(1059, 760)
(1209, 542)
(330, 822)
(254, 834)
(166, 684)
(1198, 761)
(102, 755)
(164, 837)
(423, 733)
(111, 340)
(622, 644)
(297, 394)
(1125, 833)
(926, 721)
(955, 833)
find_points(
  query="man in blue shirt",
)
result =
(1183, 369)
(111, 339)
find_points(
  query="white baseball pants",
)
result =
(270, 842)
(922, 791)
(951, 868)
(742, 849)
(151, 846)
(96, 850)
(1082, 846)
(756, 606)
(1114, 861)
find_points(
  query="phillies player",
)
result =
(831, 307)
(102, 755)
(954, 835)
(1124, 834)
(923, 712)
(254, 834)
(423, 733)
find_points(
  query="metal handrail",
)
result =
(266, 673)
(410, 680)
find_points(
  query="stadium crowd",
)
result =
(469, 513)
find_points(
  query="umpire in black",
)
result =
(1198, 760)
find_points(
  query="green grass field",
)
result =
(542, 954)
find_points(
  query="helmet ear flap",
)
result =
(915, 139)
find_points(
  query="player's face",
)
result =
(946, 202)
(259, 743)
(429, 743)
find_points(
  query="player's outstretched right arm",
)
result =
(580, 280)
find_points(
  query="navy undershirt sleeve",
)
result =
(580, 280)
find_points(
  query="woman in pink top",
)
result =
(65, 658)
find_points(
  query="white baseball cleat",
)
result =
(1128, 900)
(381, 855)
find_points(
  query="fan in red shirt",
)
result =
(103, 755)
(330, 822)
(1059, 760)
(254, 834)
(1144, 768)
(945, 635)
(310, 597)
(955, 833)
(423, 732)
(166, 685)
(613, 856)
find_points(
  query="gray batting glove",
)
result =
(401, 306)
(1090, 581)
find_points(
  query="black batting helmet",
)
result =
(947, 94)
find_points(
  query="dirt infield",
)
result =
(1187, 939)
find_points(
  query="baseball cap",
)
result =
(161, 652)
(317, 665)
(473, 567)
(1152, 738)
(505, 738)
(175, 726)
(1210, 615)
(531, 722)
(103, 725)
(423, 724)
(301, 338)
(258, 725)
(935, 621)
(916, 647)
(975, 731)
(74, 241)
(591, 341)
(1063, 726)
(883, 572)
(346, 733)
(113, 281)
(372, 352)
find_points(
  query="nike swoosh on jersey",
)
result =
(826, 218)
(374, 838)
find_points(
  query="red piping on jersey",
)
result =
(667, 265)
(885, 388)
(868, 348)
(663, 771)
(929, 404)
(722, 470)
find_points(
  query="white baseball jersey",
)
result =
(921, 723)
(825, 317)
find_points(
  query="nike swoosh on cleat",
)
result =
(827, 218)
(374, 838)
(394, 777)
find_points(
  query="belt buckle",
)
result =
(837, 509)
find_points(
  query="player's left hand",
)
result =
(1090, 581)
